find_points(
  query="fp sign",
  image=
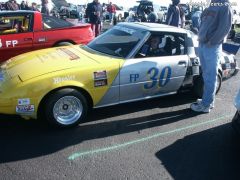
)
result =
(11, 43)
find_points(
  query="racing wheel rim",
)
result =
(67, 110)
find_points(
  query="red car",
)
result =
(24, 31)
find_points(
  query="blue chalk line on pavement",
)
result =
(118, 146)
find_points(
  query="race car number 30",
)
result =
(159, 79)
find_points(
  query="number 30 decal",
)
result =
(160, 80)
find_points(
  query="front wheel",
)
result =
(198, 85)
(65, 108)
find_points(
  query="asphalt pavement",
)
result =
(154, 139)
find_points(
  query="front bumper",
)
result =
(7, 106)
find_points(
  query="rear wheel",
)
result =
(65, 108)
(198, 85)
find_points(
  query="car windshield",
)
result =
(118, 41)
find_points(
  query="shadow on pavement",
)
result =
(21, 140)
(210, 154)
(162, 102)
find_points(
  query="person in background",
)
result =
(112, 11)
(104, 11)
(45, 9)
(94, 13)
(34, 7)
(8, 5)
(216, 21)
(11, 6)
(196, 21)
(175, 15)
(1, 7)
(152, 17)
(16, 6)
(24, 6)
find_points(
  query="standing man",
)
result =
(45, 9)
(216, 23)
(175, 15)
(94, 13)
(112, 11)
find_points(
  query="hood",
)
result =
(37, 63)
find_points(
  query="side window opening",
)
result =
(14, 24)
(163, 45)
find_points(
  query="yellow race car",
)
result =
(61, 84)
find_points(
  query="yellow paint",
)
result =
(33, 75)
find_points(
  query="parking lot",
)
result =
(153, 139)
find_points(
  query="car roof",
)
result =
(17, 12)
(153, 27)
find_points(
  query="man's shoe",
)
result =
(199, 101)
(200, 108)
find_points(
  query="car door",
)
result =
(144, 77)
(16, 36)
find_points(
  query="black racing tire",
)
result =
(63, 44)
(198, 85)
(219, 81)
(65, 108)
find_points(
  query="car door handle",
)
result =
(182, 63)
(28, 39)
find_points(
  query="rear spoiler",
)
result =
(231, 48)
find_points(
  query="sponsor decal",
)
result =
(25, 101)
(100, 75)
(72, 55)
(58, 80)
(100, 78)
(99, 83)
(25, 108)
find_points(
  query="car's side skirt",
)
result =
(135, 100)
